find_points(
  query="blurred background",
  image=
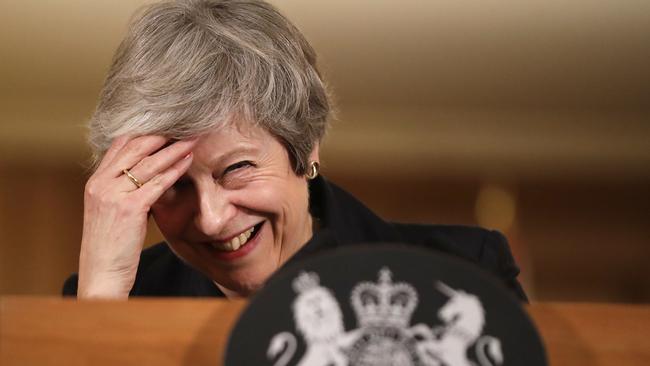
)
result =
(528, 117)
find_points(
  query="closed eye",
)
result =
(237, 166)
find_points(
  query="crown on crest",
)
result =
(384, 303)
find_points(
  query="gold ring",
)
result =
(132, 178)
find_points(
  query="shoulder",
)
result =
(487, 248)
(469, 234)
(472, 242)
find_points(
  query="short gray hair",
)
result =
(188, 67)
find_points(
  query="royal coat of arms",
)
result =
(384, 336)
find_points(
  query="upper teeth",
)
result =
(234, 243)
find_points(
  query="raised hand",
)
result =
(116, 207)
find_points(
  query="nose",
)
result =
(214, 210)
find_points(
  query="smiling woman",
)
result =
(240, 210)
(210, 121)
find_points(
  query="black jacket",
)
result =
(343, 221)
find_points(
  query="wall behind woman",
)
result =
(528, 117)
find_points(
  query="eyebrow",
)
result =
(239, 150)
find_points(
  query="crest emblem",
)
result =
(384, 336)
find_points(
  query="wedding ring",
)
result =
(132, 178)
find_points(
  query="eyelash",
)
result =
(238, 165)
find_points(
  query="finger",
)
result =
(152, 165)
(156, 186)
(134, 151)
(117, 144)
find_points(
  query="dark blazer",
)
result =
(343, 221)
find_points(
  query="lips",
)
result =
(236, 242)
(238, 245)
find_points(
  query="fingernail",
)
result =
(189, 155)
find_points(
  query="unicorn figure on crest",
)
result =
(464, 318)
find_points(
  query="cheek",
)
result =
(265, 198)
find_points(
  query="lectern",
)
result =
(54, 331)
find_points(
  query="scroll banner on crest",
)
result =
(386, 305)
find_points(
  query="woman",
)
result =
(210, 121)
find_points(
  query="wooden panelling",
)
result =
(50, 331)
(580, 240)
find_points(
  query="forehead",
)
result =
(230, 139)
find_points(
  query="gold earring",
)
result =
(313, 170)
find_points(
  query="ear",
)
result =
(315, 153)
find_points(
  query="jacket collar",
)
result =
(342, 219)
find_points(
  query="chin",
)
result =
(240, 287)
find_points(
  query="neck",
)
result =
(230, 294)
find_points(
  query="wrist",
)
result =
(103, 287)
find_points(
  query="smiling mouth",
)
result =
(238, 241)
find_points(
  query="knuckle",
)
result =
(118, 142)
(157, 181)
(146, 163)
(121, 139)
(132, 148)
(159, 184)
(91, 189)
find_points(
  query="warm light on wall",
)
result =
(496, 207)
